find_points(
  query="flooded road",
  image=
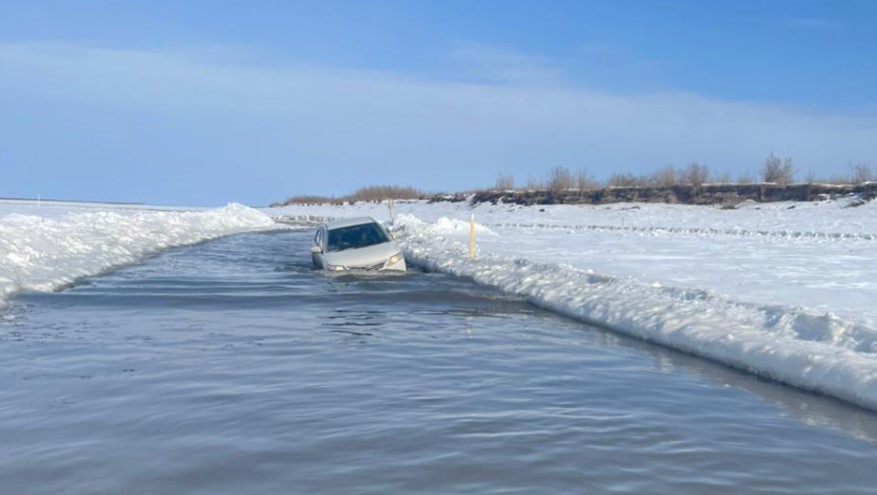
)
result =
(233, 367)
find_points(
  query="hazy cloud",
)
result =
(273, 131)
(493, 64)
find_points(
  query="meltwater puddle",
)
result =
(233, 367)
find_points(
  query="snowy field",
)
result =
(785, 290)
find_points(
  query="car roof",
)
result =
(349, 222)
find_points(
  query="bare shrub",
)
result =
(380, 193)
(696, 174)
(777, 171)
(723, 178)
(504, 182)
(534, 184)
(745, 179)
(305, 199)
(585, 182)
(666, 177)
(560, 179)
(370, 193)
(861, 173)
(624, 179)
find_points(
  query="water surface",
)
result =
(232, 367)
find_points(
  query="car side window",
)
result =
(318, 238)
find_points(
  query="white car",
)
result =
(356, 244)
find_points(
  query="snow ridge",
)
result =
(302, 221)
(783, 234)
(818, 352)
(46, 253)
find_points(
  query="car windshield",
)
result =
(356, 236)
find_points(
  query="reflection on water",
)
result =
(233, 367)
(810, 408)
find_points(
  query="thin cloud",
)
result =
(369, 127)
(493, 64)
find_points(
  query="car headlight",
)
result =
(335, 268)
(396, 258)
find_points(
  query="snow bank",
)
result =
(43, 253)
(819, 352)
(819, 255)
(442, 226)
(445, 225)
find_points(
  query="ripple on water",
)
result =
(233, 367)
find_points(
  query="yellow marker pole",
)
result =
(472, 236)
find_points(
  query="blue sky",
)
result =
(208, 102)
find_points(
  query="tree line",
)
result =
(368, 193)
(774, 170)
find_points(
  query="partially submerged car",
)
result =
(356, 244)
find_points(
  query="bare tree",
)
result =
(666, 177)
(585, 182)
(777, 171)
(560, 179)
(624, 179)
(723, 178)
(504, 182)
(861, 173)
(534, 184)
(696, 174)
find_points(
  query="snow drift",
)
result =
(818, 352)
(45, 253)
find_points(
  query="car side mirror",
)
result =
(316, 250)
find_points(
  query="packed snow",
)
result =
(784, 290)
(47, 246)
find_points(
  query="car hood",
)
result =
(361, 257)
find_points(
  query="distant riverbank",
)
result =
(708, 194)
